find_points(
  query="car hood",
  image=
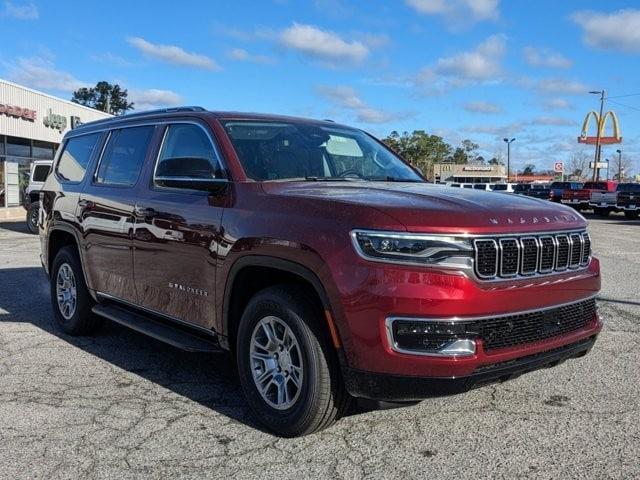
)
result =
(422, 207)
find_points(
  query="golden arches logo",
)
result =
(600, 127)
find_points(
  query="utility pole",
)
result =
(508, 142)
(619, 165)
(596, 170)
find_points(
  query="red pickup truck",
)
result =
(579, 199)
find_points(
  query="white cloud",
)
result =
(26, 11)
(554, 121)
(480, 65)
(458, 13)
(560, 85)
(154, 98)
(348, 99)
(611, 31)
(323, 45)
(482, 107)
(542, 57)
(41, 73)
(173, 54)
(557, 104)
(241, 55)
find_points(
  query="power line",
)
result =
(622, 96)
(623, 105)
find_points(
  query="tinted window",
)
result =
(124, 155)
(595, 186)
(480, 186)
(43, 150)
(629, 187)
(467, 186)
(561, 185)
(40, 173)
(20, 147)
(281, 151)
(187, 152)
(75, 157)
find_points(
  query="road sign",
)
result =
(601, 165)
(558, 167)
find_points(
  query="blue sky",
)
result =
(478, 69)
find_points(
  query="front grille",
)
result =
(508, 257)
(531, 327)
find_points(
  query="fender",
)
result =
(286, 266)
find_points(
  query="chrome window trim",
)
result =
(521, 267)
(501, 255)
(555, 255)
(167, 126)
(456, 319)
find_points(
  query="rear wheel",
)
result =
(288, 370)
(32, 217)
(601, 211)
(70, 297)
(631, 214)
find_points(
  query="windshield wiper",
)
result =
(394, 179)
(332, 179)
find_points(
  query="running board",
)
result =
(178, 336)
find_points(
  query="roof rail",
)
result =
(145, 113)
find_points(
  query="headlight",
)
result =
(432, 250)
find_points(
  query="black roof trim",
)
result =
(146, 113)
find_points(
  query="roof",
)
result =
(199, 111)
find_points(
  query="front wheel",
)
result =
(288, 371)
(631, 214)
(32, 217)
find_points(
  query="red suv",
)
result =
(318, 258)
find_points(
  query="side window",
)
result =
(75, 157)
(124, 155)
(187, 153)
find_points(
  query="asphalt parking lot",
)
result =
(120, 405)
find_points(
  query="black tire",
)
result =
(631, 214)
(32, 217)
(322, 398)
(82, 321)
(601, 212)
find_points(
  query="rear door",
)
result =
(106, 212)
(177, 229)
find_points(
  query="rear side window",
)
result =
(187, 153)
(595, 186)
(40, 173)
(75, 157)
(629, 187)
(124, 156)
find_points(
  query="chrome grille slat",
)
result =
(527, 255)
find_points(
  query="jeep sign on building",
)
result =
(31, 127)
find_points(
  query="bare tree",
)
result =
(620, 167)
(578, 167)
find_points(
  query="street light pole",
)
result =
(508, 142)
(607, 160)
(599, 125)
(619, 165)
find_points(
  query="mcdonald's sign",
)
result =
(600, 126)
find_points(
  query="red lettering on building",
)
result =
(15, 111)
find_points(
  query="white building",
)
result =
(32, 125)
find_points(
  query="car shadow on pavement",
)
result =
(209, 379)
(19, 226)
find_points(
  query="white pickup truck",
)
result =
(40, 170)
(603, 203)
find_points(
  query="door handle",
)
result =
(144, 212)
(85, 204)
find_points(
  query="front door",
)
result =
(106, 212)
(176, 229)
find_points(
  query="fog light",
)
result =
(447, 339)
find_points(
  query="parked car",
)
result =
(557, 188)
(628, 200)
(40, 170)
(603, 203)
(309, 251)
(540, 191)
(483, 186)
(521, 188)
(504, 187)
(579, 199)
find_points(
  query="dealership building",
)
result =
(469, 173)
(32, 125)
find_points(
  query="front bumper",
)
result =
(397, 388)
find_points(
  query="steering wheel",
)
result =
(350, 173)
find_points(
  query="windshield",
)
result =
(629, 187)
(595, 186)
(285, 151)
(561, 185)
